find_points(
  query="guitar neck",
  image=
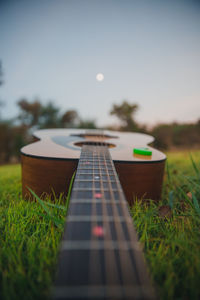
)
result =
(100, 256)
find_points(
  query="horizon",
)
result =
(147, 51)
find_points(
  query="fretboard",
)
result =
(100, 256)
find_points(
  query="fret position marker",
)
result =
(98, 195)
(98, 231)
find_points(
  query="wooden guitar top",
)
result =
(65, 144)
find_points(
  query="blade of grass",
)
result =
(195, 166)
(168, 173)
(54, 205)
(184, 195)
(55, 220)
(196, 203)
(171, 199)
(69, 191)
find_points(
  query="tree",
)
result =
(1, 74)
(6, 141)
(12, 139)
(35, 114)
(163, 134)
(69, 118)
(125, 112)
(1, 82)
(30, 112)
(49, 117)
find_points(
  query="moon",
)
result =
(99, 77)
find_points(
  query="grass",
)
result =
(169, 232)
(172, 242)
(29, 241)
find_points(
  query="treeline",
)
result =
(177, 136)
(167, 136)
(34, 115)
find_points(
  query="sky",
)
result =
(148, 52)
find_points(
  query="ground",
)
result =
(168, 230)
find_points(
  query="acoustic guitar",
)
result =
(100, 256)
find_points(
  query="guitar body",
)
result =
(49, 163)
(100, 256)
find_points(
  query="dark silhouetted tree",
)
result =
(29, 112)
(35, 114)
(163, 134)
(1, 82)
(126, 113)
(1, 74)
(70, 119)
(12, 138)
(6, 143)
(49, 117)
(176, 135)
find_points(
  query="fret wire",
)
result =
(85, 180)
(108, 244)
(96, 200)
(134, 291)
(97, 218)
(91, 189)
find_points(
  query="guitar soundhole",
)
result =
(94, 143)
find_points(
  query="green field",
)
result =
(169, 232)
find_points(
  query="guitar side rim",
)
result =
(44, 174)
